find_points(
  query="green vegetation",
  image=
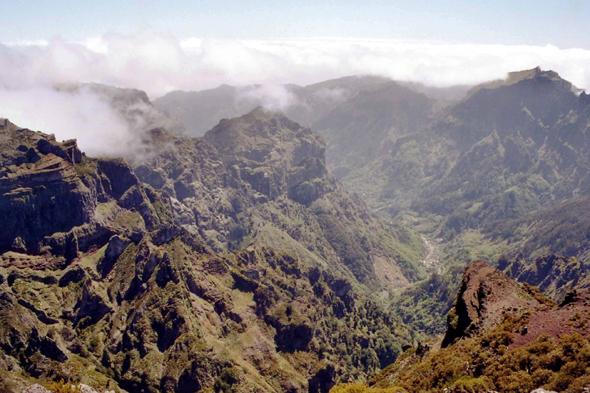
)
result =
(424, 305)
(358, 388)
(86, 167)
(563, 229)
(406, 248)
(485, 363)
(63, 387)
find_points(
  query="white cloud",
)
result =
(159, 63)
(80, 114)
(272, 97)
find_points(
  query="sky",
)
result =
(159, 47)
(524, 22)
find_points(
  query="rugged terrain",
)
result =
(199, 111)
(503, 171)
(238, 261)
(501, 336)
(235, 262)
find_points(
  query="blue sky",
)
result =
(161, 46)
(560, 23)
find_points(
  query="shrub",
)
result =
(63, 387)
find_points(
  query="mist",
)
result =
(84, 115)
(271, 97)
(160, 63)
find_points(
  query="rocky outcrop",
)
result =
(486, 295)
(40, 193)
(554, 275)
(272, 154)
(258, 178)
(184, 275)
(63, 202)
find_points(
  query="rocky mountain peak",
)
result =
(264, 135)
(486, 295)
(275, 155)
(533, 76)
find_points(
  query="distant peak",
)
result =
(261, 113)
(537, 72)
(516, 77)
(245, 124)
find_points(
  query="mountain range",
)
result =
(205, 259)
(299, 238)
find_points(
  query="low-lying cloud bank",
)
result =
(83, 114)
(160, 63)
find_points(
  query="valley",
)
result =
(369, 232)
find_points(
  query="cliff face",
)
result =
(502, 336)
(274, 155)
(554, 275)
(204, 268)
(57, 200)
(485, 296)
(261, 178)
(40, 189)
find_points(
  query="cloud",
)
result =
(80, 114)
(159, 63)
(272, 97)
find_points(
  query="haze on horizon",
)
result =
(161, 46)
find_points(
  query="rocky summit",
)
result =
(235, 262)
(376, 236)
(502, 336)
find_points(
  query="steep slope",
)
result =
(368, 125)
(166, 278)
(508, 151)
(560, 229)
(554, 275)
(261, 178)
(474, 178)
(509, 148)
(485, 295)
(200, 111)
(521, 342)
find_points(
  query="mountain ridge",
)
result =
(185, 262)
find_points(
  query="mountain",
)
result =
(371, 124)
(507, 149)
(199, 111)
(133, 105)
(501, 336)
(265, 256)
(504, 170)
(232, 262)
(263, 177)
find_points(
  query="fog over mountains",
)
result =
(159, 64)
(293, 216)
